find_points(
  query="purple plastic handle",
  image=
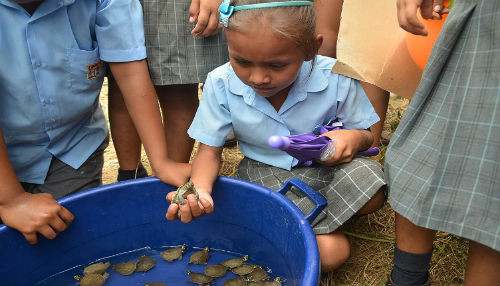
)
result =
(370, 152)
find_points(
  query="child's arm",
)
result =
(142, 103)
(407, 14)
(348, 142)
(206, 15)
(203, 174)
(28, 213)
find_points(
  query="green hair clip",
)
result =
(226, 10)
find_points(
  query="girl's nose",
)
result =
(259, 76)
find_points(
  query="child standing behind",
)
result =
(275, 84)
(52, 128)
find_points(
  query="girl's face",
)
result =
(264, 61)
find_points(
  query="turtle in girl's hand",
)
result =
(275, 282)
(238, 281)
(199, 278)
(200, 257)
(173, 253)
(183, 191)
(215, 270)
(234, 262)
(243, 269)
(126, 268)
(145, 263)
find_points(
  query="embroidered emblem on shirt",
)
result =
(93, 70)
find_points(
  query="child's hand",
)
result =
(206, 15)
(192, 209)
(172, 173)
(36, 213)
(347, 143)
(407, 14)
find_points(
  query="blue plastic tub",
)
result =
(129, 219)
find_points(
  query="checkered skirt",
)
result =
(346, 187)
(174, 55)
(443, 162)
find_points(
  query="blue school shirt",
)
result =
(317, 96)
(51, 74)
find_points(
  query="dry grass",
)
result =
(371, 236)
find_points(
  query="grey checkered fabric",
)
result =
(443, 162)
(174, 55)
(346, 187)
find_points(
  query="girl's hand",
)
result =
(347, 143)
(171, 172)
(192, 209)
(407, 14)
(206, 15)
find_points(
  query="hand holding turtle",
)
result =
(188, 203)
(171, 172)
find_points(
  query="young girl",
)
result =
(275, 84)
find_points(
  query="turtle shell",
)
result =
(258, 274)
(200, 257)
(92, 279)
(199, 278)
(238, 281)
(126, 268)
(243, 269)
(98, 268)
(275, 282)
(173, 253)
(183, 191)
(145, 263)
(234, 262)
(215, 270)
(155, 284)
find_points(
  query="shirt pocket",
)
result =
(86, 71)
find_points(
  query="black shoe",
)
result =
(124, 175)
(391, 283)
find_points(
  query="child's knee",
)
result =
(374, 204)
(334, 250)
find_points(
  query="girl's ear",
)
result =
(319, 42)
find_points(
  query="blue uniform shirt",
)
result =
(51, 75)
(317, 96)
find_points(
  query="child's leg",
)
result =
(179, 103)
(374, 204)
(380, 100)
(126, 141)
(327, 24)
(483, 265)
(412, 254)
(334, 249)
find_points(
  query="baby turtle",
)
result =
(243, 269)
(173, 253)
(155, 284)
(215, 270)
(199, 278)
(258, 274)
(93, 279)
(200, 257)
(182, 193)
(275, 282)
(98, 268)
(234, 262)
(126, 268)
(145, 263)
(238, 281)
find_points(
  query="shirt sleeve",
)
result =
(354, 108)
(120, 31)
(212, 122)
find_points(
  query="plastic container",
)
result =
(130, 216)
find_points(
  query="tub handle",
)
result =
(316, 197)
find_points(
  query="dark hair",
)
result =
(295, 23)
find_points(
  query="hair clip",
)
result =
(226, 10)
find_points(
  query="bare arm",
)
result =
(142, 103)
(348, 142)
(407, 14)
(203, 174)
(28, 213)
